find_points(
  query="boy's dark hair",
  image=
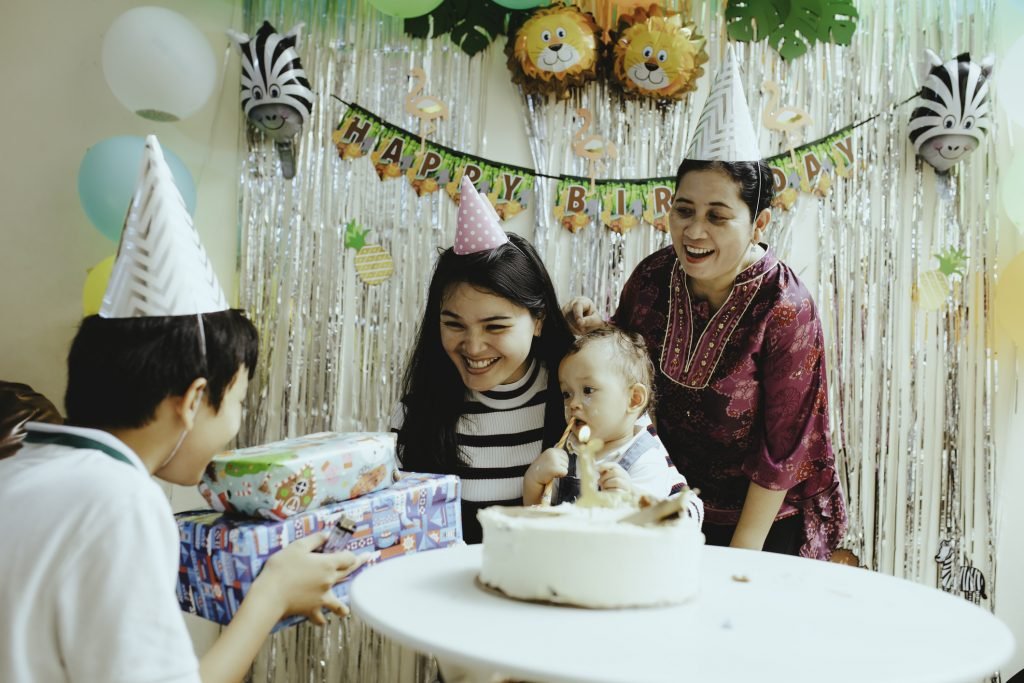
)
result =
(433, 392)
(120, 369)
(629, 355)
(753, 177)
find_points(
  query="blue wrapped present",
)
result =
(222, 554)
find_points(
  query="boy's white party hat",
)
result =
(161, 267)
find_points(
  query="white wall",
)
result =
(1008, 406)
(56, 103)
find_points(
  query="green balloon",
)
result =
(523, 4)
(406, 8)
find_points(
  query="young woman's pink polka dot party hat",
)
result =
(478, 228)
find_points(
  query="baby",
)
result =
(607, 381)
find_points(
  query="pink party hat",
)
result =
(477, 228)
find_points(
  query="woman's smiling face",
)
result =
(486, 336)
(711, 227)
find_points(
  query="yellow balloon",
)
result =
(1009, 306)
(96, 285)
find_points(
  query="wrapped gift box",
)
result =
(222, 554)
(285, 478)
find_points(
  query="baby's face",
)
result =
(596, 393)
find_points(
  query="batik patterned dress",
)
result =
(741, 392)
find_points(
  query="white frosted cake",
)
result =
(585, 556)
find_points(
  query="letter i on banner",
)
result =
(657, 196)
(622, 205)
(576, 206)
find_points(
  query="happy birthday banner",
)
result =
(619, 205)
(428, 166)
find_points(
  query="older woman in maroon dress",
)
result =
(742, 401)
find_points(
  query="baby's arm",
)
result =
(549, 465)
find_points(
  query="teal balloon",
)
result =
(406, 9)
(523, 4)
(107, 177)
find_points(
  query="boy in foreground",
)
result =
(155, 387)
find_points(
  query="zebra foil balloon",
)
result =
(953, 113)
(276, 96)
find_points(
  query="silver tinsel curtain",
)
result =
(911, 391)
(332, 347)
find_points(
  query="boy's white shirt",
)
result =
(89, 568)
(651, 472)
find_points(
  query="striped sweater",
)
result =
(499, 434)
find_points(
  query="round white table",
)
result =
(758, 616)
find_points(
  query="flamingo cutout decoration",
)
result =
(785, 119)
(594, 148)
(424, 107)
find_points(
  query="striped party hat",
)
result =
(725, 131)
(477, 228)
(161, 267)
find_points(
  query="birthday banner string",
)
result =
(619, 204)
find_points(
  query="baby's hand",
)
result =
(549, 465)
(614, 478)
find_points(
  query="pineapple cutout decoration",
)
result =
(933, 286)
(374, 264)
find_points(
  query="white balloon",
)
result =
(158, 64)
(1011, 95)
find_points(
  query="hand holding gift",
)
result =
(225, 558)
(301, 579)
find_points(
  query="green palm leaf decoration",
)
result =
(471, 24)
(792, 26)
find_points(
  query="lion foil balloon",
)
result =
(276, 96)
(554, 49)
(657, 56)
(954, 112)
